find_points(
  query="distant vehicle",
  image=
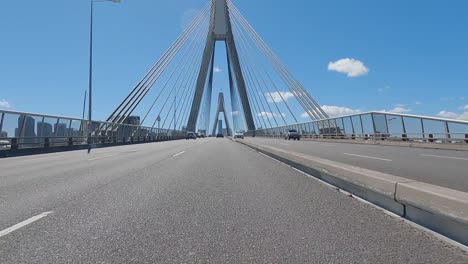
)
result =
(292, 133)
(5, 144)
(239, 134)
(200, 135)
(191, 135)
(219, 135)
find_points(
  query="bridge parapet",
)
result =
(21, 130)
(378, 126)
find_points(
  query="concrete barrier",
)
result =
(440, 209)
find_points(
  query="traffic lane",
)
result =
(24, 168)
(423, 165)
(14, 163)
(222, 203)
(35, 189)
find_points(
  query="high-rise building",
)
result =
(44, 129)
(26, 129)
(132, 120)
(61, 130)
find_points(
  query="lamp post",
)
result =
(90, 89)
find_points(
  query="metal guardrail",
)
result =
(20, 130)
(378, 126)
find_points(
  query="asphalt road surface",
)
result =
(203, 201)
(446, 168)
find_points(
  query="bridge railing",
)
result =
(20, 130)
(378, 126)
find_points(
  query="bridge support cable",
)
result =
(189, 98)
(188, 85)
(236, 111)
(251, 99)
(290, 86)
(240, 81)
(186, 100)
(127, 106)
(241, 35)
(268, 114)
(182, 83)
(250, 60)
(156, 76)
(313, 109)
(255, 92)
(179, 66)
(254, 99)
(294, 86)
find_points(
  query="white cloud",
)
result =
(463, 116)
(399, 109)
(447, 114)
(349, 66)
(276, 97)
(418, 103)
(465, 107)
(269, 114)
(333, 111)
(216, 69)
(453, 115)
(4, 104)
(305, 115)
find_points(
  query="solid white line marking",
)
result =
(180, 153)
(443, 157)
(284, 144)
(24, 223)
(361, 156)
(103, 157)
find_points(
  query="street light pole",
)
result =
(90, 88)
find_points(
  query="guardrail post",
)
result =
(14, 144)
(431, 138)
(131, 139)
(353, 136)
(70, 141)
(114, 139)
(47, 143)
(124, 139)
(404, 137)
(466, 138)
(103, 140)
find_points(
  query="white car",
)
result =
(239, 134)
(5, 144)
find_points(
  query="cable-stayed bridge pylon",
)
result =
(178, 87)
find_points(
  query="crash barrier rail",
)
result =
(377, 126)
(20, 130)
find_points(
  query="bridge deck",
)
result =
(193, 201)
(446, 168)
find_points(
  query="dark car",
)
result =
(191, 135)
(292, 133)
(200, 135)
(219, 135)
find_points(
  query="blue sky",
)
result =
(406, 56)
